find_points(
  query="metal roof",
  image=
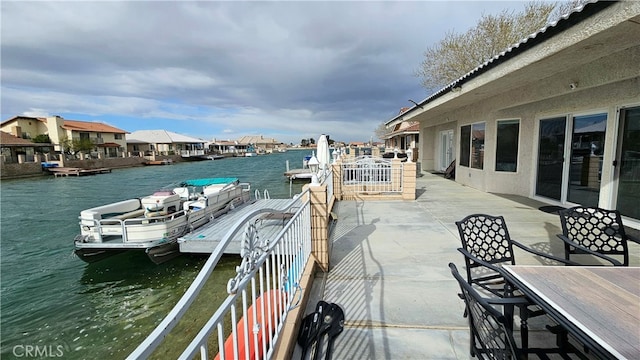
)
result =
(161, 137)
(551, 29)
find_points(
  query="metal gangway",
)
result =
(260, 295)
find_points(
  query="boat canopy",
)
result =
(208, 181)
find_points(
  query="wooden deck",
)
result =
(69, 171)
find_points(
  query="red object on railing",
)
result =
(277, 298)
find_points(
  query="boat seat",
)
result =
(89, 217)
(129, 215)
(150, 214)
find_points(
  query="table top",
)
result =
(599, 305)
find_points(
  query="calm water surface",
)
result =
(62, 307)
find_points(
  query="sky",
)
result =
(222, 70)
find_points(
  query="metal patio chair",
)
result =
(490, 334)
(486, 246)
(597, 232)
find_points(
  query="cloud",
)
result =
(294, 69)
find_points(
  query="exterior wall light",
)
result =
(313, 166)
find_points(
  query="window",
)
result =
(99, 135)
(465, 145)
(84, 136)
(477, 146)
(117, 136)
(508, 133)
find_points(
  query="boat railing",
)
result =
(118, 225)
(231, 192)
(264, 289)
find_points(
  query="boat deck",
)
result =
(205, 239)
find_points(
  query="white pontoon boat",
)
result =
(154, 223)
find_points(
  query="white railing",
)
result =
(326, 177)
(267, 278)
(187, 153)
(372, 174)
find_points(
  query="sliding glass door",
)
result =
(551, 158)
(628, 163)
(585, 169)
(446, 149)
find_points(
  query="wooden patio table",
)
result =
(600, 306)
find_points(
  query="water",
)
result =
(55, 305)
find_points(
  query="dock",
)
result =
(159, 162)
(298, 174)
(70, 171)
(205, 239)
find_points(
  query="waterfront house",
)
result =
(15, 149)
(108, 141)
(163, 142)
(259, 143)
(221, 147)
(403, 136)
(556, 117)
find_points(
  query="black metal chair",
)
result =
(490, 334)
(486, 246)
(597, 232)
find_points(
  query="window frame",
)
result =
(517, 145)
(465, 146)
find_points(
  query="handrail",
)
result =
(154, 339)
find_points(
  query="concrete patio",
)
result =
(389, 269)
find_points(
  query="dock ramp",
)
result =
(205, 239)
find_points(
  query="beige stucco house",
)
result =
(556, 117)
(403, 137)
(15, 149)
(109, 141)
(163, 142)
(259, 143)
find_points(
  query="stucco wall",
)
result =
(606, 98)
(11, 171)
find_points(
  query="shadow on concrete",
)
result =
(356, 285)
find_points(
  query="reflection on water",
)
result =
(56, 303)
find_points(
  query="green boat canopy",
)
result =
(208, 181)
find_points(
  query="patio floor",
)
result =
(389, 269)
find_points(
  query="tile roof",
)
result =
(257, 139)
(7, 139)
(15, 118)
(91, 126)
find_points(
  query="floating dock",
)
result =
(69, 171)
(206, 238)
(298, 174)
(159, 162)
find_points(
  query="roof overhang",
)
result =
(599, 30)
